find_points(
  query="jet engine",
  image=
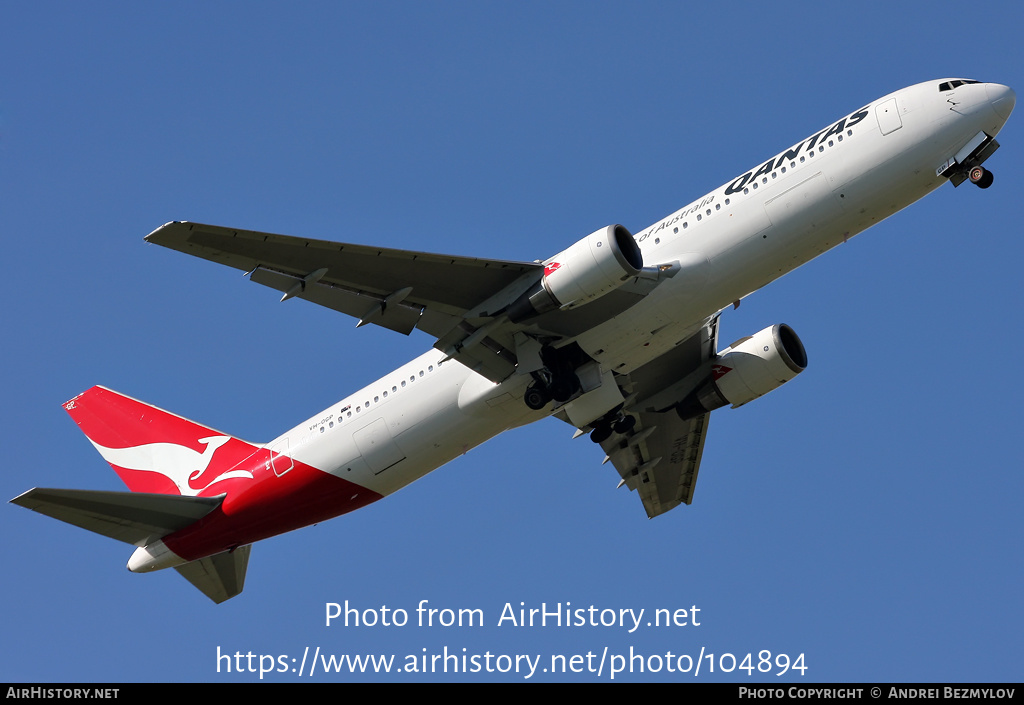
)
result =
(749, 368)
(589, 269)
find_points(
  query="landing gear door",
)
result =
(601, 394)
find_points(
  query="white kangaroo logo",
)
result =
(177, 463)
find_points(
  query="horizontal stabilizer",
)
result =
(219, 577)
(133, 517)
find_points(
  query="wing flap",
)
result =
(487, 356)
(360, 304)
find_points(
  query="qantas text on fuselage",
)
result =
(616, 335)
(777, 162)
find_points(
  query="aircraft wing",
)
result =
(458, 300)
(659, 460)
(660, 456)
(397, 289)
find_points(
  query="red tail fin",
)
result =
(153, 450)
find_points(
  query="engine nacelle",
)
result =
(751, 367)
(592, 267)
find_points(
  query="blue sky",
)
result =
(866, 515)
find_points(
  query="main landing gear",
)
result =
(548, 386)
(613, 422)
(557, 379)
(536, 396)
(980, 176)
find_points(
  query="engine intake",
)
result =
(749, 368)
(589, 269)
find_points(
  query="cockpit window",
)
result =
(950, 85)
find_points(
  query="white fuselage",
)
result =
(729, 243)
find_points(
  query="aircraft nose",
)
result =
(1002, 98)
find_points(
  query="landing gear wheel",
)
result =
(980, 176)
(601, 434)
(625, 424)
(536, 398)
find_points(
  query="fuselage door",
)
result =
(280, 458)
(377, 447)
(888, 115)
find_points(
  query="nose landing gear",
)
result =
(980, 177)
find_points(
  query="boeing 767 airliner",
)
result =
(616, 335)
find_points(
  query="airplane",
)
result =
(617, 335)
